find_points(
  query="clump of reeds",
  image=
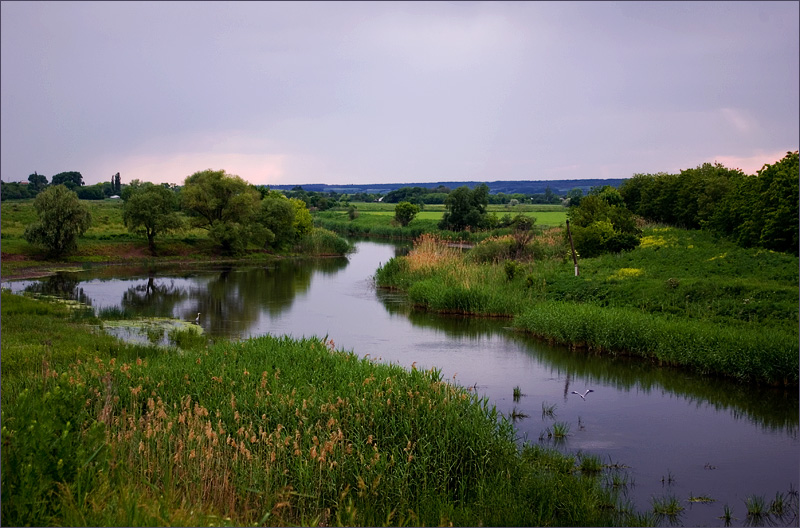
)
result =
(669, 506)
(430, 252)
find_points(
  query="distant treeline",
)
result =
(527, 187)
(754, 211)
(73, 180)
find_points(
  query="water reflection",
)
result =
(771, 408)
(153, 298)
(62, 286)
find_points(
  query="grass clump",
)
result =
(271, 430)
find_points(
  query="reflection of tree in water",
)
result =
(330, 266)
(61, 285)
(153, 299)
(234, 300)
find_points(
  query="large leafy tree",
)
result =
(62, 218)
(71, 179)
(151, 210)
(223, 204)
(465, 208)
(37, 182)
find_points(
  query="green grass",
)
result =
(270, 430)
(376, 219)
(682, 298)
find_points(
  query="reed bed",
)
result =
(272, 431)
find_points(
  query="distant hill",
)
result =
(507, 187)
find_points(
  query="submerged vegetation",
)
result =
(270, 431)
(681, 298)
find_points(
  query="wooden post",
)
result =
(571, 245)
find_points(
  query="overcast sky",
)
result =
(387, 92)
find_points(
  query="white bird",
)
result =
(197, 319)
(583, 396)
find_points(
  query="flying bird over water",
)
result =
(583, 396)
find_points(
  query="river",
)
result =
(670, 433)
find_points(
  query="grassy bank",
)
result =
(682, 298)
(267, 431)
(377, 220)
(108, 241)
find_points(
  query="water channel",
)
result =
(673, 434)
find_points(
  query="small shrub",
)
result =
(511, 268)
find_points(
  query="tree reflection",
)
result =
(62, 286)
(153, 298)
(233, 300)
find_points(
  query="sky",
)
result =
(388, 92)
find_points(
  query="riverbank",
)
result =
(682, 298)
(270, 430)
(108, 242)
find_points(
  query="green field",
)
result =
(545, 215)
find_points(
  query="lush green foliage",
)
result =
(755, 211)
(267, 431)
(223, 204)
(321, 241)
(602, 224)
(466, 209)
(62, 218)
(762, 210)
(70, 179)
(680, 298)
(405, 212)
(151, 210)
(277, 215)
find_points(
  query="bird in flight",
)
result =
(583, 396)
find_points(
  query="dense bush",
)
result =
(754, 211)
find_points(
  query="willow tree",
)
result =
(62, 218)
(151, 210)
(223, 204)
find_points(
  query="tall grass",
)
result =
(322, 242)
(682, 299)
(267, 431)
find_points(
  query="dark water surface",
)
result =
(677, 434)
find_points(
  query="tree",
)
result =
(762, 210)
(404, 213)
(602, 224)
(303, 223)
(465, 208)
(151, 210)
(223, 204)
(277, 216)
(37, 182)
(116, 184)
(71, 179)
(574, 197)
(62, 218)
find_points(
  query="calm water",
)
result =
(678, 434)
